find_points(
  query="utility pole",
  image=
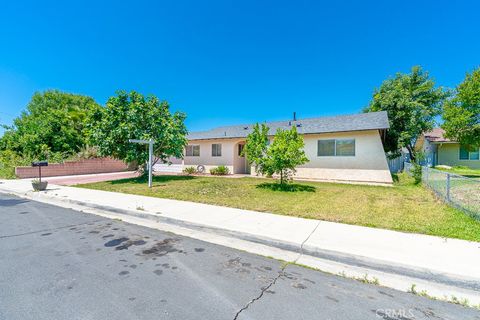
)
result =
(150, 156)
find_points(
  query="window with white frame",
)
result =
(216, 150)
(192, 150)
(469, 153)
(336, 148)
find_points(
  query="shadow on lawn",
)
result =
(287, 187)
(159, 179)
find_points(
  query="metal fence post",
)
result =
(150, 162)
(427, 173)
(448, 187)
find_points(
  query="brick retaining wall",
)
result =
(88, 166)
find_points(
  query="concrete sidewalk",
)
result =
(442, 267)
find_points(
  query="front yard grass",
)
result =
(403, 207)
(463, 171)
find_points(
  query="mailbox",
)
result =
(40, 164)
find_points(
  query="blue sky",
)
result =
(227, 62)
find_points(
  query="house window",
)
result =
(216, 150)
(240, 149)
(326, 148)
(336, 148)
(466, 154)
(192, 150)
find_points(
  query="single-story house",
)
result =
(443, 151)
(339, 148)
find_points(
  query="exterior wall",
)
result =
(227, 159)
(449, 154)
(368, 165)
(88, 166)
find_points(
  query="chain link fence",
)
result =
(458, 191)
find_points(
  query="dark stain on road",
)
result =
(332, 299)
(289, 276)
(298, 285)
(23, 212)
(115, 242)
(107, 236)
(46, 234)
(158, 272)
(94, 231)
(123, 273)
(130, 243)
(162, 248)
(386, 294)
(199, 249)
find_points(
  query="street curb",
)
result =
(355, 262)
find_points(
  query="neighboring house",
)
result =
(342, 148)
(442, 151)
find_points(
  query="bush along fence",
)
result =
(458, 191)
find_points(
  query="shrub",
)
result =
(219, 171)
(87, 152)
(8, 161)
(189, 170)
(417, 173)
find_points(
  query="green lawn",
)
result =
(404, 207)
(463, 171)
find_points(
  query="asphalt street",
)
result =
(57, 263)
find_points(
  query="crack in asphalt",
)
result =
(51, 229)
(281, 273)
(261, 292)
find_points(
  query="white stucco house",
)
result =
(440, 150)
(339, 148)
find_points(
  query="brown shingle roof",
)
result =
(436, 135)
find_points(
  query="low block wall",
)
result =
(88, 166)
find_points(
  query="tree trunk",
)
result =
(281, 176)
(411, 153)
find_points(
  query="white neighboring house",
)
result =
(339, 148)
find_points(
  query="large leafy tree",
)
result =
(281, 157)
(133, 116)
(412, 101)
(462, 113)
(54, 122)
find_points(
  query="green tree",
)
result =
(412, 102)
(53, 125)
(132, 116)
(256, 146)
(281, 157)
(462, 113)
(285, 154)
